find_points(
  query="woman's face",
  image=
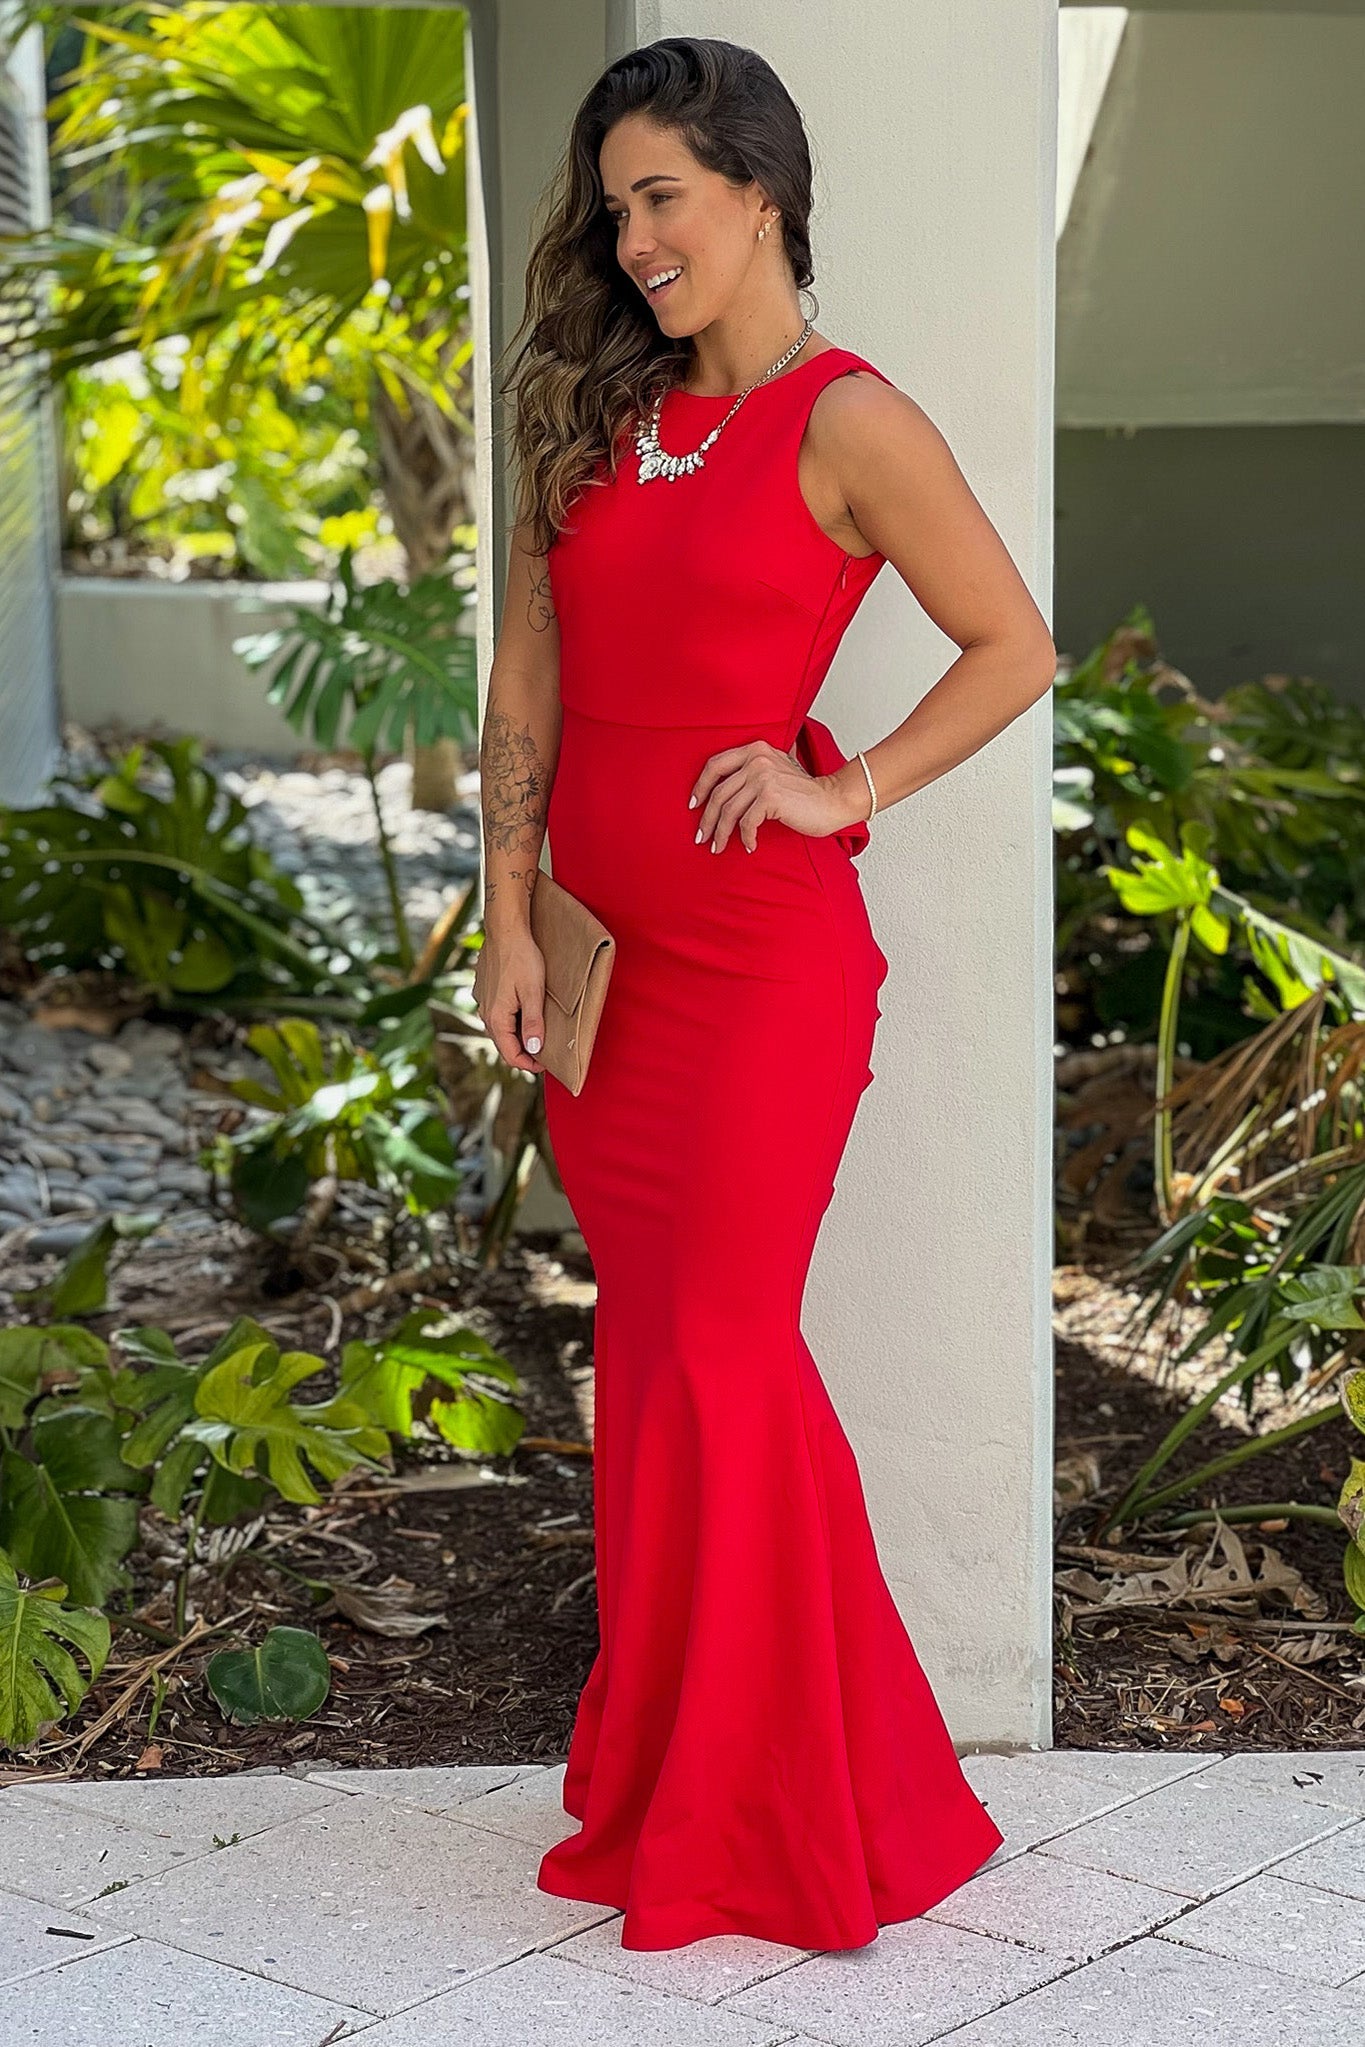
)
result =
(673, 216)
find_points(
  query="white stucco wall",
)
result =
(934, 138)
(158, 656)
(1210, 270)
(1210, 367)
(1088, 40)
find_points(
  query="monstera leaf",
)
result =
(384, 1377)
(163, 1397)
(286, 1678)
(40, 1680)
(71, 1512)
(245, 1416)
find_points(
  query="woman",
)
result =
(756, 1748)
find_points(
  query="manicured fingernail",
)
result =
(700, 836)
(533, 1046)
(714, 847)
(691, 802)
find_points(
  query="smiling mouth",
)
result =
(656, 291)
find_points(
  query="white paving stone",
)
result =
(142, 1994)
(913, 1983)
(1322, 1776)
(191, 1811)
(1337, 1864)
(1130, 1770)
(400, 1906)
(368, 1900)
(436, 1788)
(1030, 1803)
(66, 1857)
(1289, 1927)
(1055, 1906)
(543, 2001)
(531, 1809)
(1197, 1835)
(705, 1970)
(35, 1936)
(1155, 1994)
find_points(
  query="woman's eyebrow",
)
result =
(653, 179)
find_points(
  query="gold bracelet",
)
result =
(871, 785)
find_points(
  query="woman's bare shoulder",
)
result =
(862, 415)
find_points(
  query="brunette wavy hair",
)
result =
(594, 360)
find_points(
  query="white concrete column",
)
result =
(933, 134)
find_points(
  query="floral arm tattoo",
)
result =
(515, 779)
(516, 792)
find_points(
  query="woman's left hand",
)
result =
(742, 785)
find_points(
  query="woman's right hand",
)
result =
(509, 993)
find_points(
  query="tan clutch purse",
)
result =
(579, 952)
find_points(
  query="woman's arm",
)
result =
(904, 495)
(518, 750)
(520, 741)
(907, 497)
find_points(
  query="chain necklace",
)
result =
(656, 461)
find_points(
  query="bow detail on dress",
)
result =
(818, 752)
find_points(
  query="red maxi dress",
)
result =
(756, 1748)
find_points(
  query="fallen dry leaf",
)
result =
(387, 1609)
(1075, 1478)
(1222, 1579)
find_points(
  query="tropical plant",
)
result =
(385, 1376)
(286, 1677)
(81, 1283)
(40, 1680)
(1297, 964)
(337, 1112)
(273, 489)
(1260, 1178)
(245, 1414)
(282, 170)
(87, 1433)
(1273, 769)
(281, 176)
(68, 1502)
(378, 662)
(83, 1441)
(1351, 1505)
(168, 887)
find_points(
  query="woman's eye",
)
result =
(660, 196)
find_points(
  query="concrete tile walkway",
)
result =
(1140, 1899)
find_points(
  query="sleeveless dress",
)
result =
(756, 1749)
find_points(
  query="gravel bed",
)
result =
(90, 1126)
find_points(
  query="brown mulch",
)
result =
(1272, 1663)
(508, 1564)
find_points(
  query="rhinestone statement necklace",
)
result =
(656, 461)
